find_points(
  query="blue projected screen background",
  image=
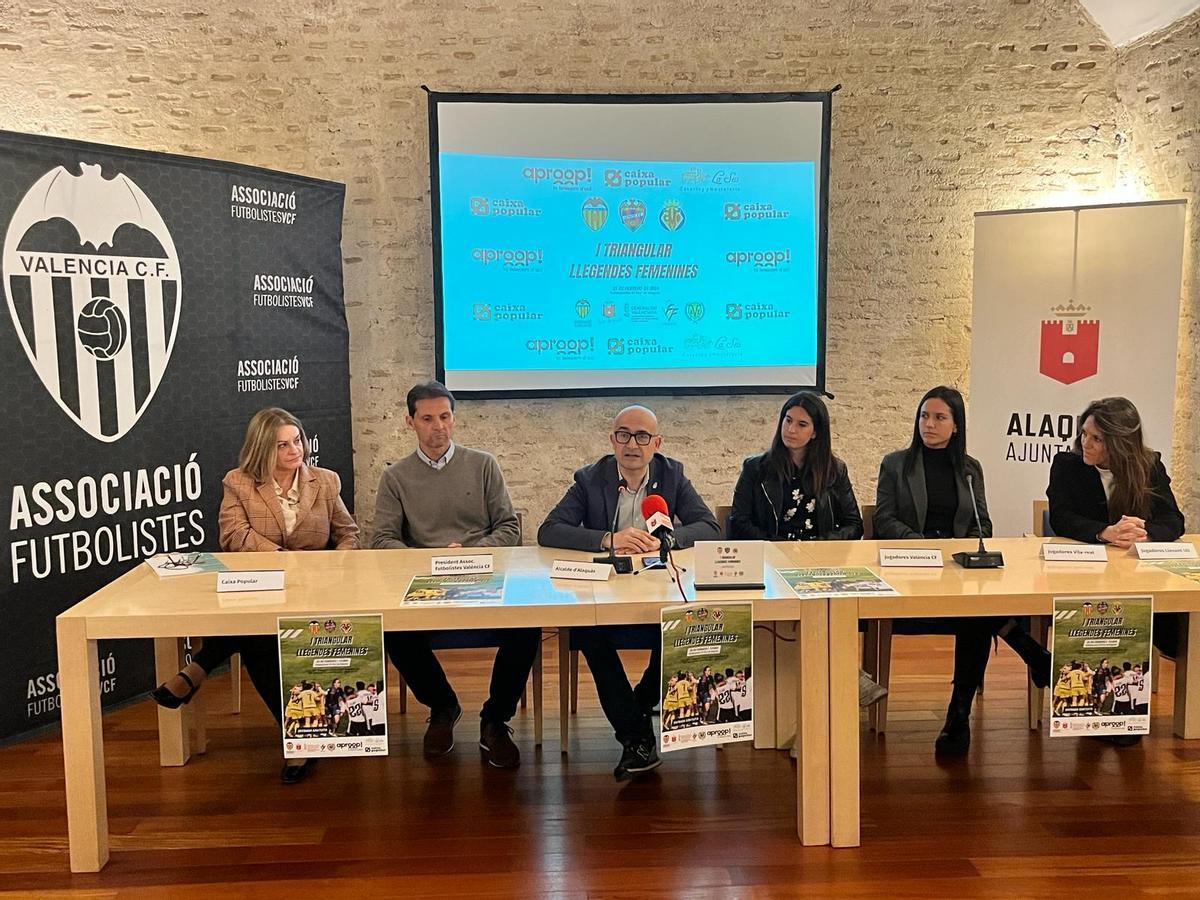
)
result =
(606, 247)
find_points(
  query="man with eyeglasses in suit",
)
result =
(583, 520)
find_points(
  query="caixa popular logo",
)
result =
(93, 286)
(1070, 345)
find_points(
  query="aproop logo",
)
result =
(97, 306)
(760, 259)
(511, 258)
(558, 176)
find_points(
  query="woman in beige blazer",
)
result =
(272, 501)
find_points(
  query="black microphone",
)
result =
(622, 565)
(981, 558)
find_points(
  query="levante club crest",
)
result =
(633, 213)
(1070, 348)
(93, 286)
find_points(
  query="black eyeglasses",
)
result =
(180, 562)
(643, 438)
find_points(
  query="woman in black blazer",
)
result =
(1113, 489)
(926, 491)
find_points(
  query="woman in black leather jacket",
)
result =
(798, 490)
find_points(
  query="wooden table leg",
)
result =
(878, 713)
(1036, 697)
(787, 671)
(537, 694)
(1187, 679)
(812, 718)
(765, 647)
(195, 723)
(843, 723)
(235, 683)
(173, 746)
(564, 685)
(83, 746)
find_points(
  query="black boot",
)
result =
(1033, 654)
(955, 737)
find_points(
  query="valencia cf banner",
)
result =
(154, 304)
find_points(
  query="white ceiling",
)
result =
(1125, 21)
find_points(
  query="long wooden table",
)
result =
(141, 605)
(1025, 586)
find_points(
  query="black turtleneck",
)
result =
(941, 493)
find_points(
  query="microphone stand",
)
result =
(981, 558)
(622, 565)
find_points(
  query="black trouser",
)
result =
(260, 656)
(1167, 627)
(412, 653)
(626, 708)
(972, 645)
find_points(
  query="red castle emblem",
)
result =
(1070, 346)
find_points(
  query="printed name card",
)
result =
(1075, 552)
(264, 580)
(582, 571)
(1164, 550)
(913, 556)
(475, 564)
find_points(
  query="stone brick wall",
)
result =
(1158, 81)
(947, 108)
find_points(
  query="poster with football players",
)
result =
(1101, 666)
(707, 685)
(333, 685)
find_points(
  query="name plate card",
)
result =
(264, 580)
(1164, 550)
(728, 564)
(913, 556)
(1075, 552)
(581, 571)
(475, 564)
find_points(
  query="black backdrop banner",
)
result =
(154, 303)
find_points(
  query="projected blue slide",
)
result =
(579, 264)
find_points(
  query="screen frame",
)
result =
(825, 98)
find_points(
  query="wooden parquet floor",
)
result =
(1023, 816)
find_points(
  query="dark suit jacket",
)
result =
(1079, 507)
(759, 500)
(251, 516)
(585, 513)
(901, 501)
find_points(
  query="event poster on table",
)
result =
(333, 686)
(475, 590)
(840, 581)
(706, 685)
(1185, 568)
(1101, 665)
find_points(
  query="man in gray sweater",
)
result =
(446, 495)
